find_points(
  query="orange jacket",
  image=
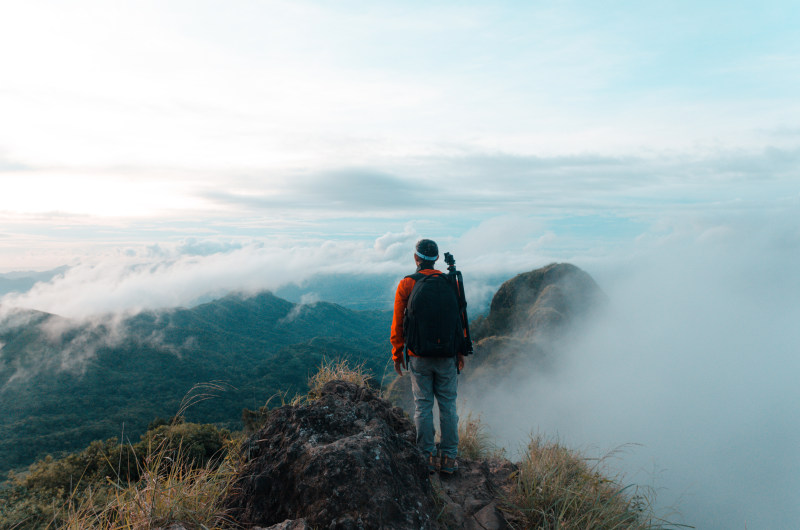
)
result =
(400, 302)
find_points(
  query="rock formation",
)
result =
(540, 302)
(472, 497)
(346, 460)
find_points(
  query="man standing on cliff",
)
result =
(428, 334)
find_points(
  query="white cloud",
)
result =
(498, 236)
(179, 274)
(169, 278)
(306, 300)
(395, 245)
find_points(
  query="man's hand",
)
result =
(399, 366)
(460, 362)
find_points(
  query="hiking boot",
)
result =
(448, 465)
(433, 463)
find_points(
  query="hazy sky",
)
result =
(129, 124)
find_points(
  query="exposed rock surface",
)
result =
(472, 496)
(346, 460)
(542, 301)
(297, 524)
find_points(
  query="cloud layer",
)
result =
(695, 360)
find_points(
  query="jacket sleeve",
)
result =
(400, 302)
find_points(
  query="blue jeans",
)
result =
(435, 377)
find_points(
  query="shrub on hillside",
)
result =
(91, 476)
(172, 489)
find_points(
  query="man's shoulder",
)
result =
(411, 279)
(406, 283)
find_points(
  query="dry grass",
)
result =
(337, 370)
(556, 488)
(474, 441)
(170, 490)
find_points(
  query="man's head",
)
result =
(426, 254)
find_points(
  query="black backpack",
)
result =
(432, 323)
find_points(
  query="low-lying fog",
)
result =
(695, 364)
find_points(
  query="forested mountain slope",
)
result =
(65, 383)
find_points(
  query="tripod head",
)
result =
(451, 262)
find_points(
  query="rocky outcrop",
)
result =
(540, 302)
(346, 460)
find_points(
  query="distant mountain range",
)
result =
(65, 383)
